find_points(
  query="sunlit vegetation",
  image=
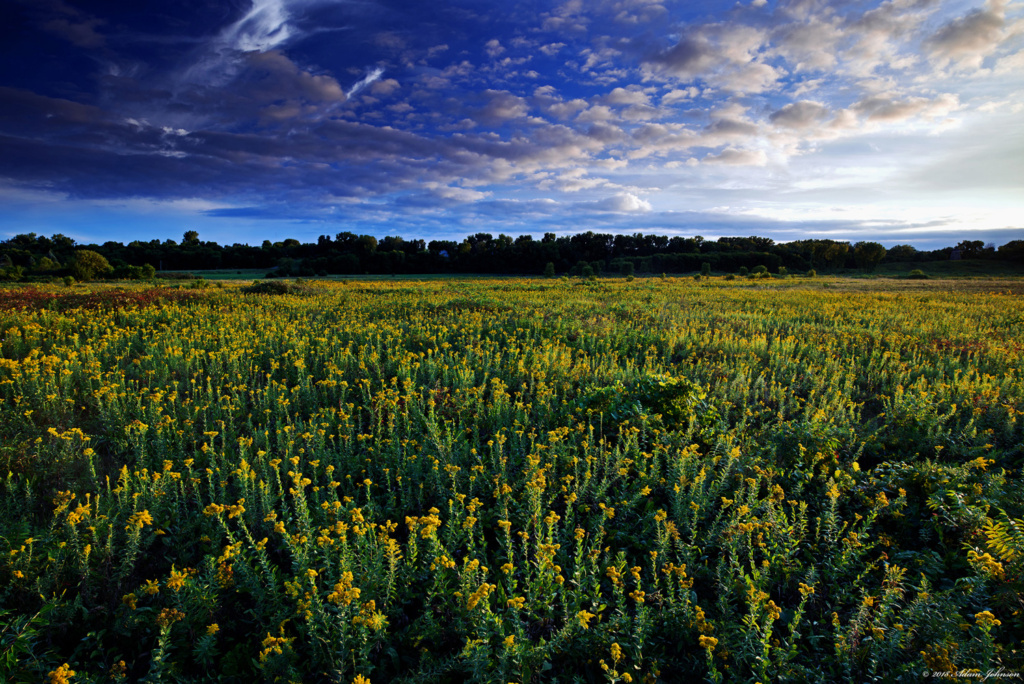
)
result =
(512, 481)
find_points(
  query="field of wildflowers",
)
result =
(512, 481)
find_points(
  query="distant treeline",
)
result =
(29, 256)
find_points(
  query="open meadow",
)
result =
(512, 481)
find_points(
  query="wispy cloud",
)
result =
(367, 80)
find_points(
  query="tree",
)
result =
(190, 237)
(47, 264)
(901, 253)
(549, 270)
(970, 249)
(868, 254)
(89, 265)
(627, 268)
(705, 269)
(1013, 251)
(366, 244)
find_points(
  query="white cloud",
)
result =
(372, 76)
(680, 95)
(622, 96)
(264, 27)
(969, 39)
(626, 203)
(494, 48)
(732, 156)
(727, 56)
(799, 115)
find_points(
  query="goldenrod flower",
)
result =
(62, 675)
(584, 618)
(986, 619)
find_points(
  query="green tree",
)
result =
(549, 270)
(89, 265)
(705, 269)
(627, 268)
(868, 254)
(47, 264)
(191, 237)
(901, 253)
(1013, 251)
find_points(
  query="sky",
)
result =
(899, 121)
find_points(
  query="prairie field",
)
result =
(481, 480)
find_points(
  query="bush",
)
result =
(68, 281)
(760, 270)
(705, 269)
(743, 270)
(89, 265)
(812, 273)
(549, 270)
(917, 274)
(279, 287)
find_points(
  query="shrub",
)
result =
(917, 274)
(89, 265)
(279, 287)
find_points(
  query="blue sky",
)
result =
(899, 121)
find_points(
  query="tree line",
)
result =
(33, 257)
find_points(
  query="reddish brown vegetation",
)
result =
(34, 298)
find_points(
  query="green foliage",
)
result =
(549, 270)
(280, 287)
(89, 265)
(497, 480)
(917, 274)
(868, 254)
